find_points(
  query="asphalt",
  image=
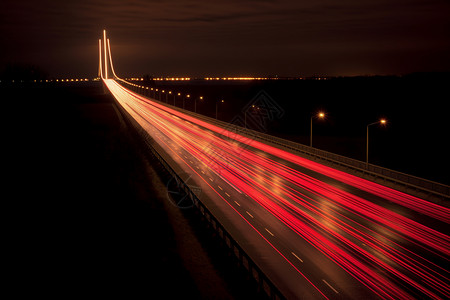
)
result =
(236, 212)
(87, 211)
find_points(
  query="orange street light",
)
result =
(245, 114)
(382, 122)
(195, 103)
(217, 102)
(320, 115)
(187, 96)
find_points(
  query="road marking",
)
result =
(227, 194)
(203, 172)
(191, 161)
(329, 285)
(237, 203)
(269, 231)
(211, 179)
(249, 214)
(301, 260)
(220, 188)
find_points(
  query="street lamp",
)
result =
(217, 102)
(195, 103)
(187, 96)
(382, 122)
(178, 94)
(245, 114)
(320, 115)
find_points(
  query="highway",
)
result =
(316, 232)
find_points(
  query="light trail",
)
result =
(106, 59)
(100, 71)
(390, 254)
(110, 60)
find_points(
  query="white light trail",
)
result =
(100, 71)
(106, 62)
(110, 60)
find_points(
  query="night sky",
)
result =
(235, 38)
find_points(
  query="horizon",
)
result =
(30, 72)
(238, 38)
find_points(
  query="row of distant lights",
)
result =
(165, 79)
(212, 78)
(239, 78)
(163, 91)
(70, 80)
(160, 78)
(56, 80)
(156, 90)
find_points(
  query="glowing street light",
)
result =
(195, 103)
(178, 94)
(245, 114)
(167, 96)
(187, 96)
(217, 104)
(382, 122)
(320, 115)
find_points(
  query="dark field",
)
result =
(87, 209)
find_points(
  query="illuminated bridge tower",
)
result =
(103, 60)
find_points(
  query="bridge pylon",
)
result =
(105, 58)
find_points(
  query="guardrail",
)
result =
(264, 284)
(426, 189)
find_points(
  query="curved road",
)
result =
(316, 232)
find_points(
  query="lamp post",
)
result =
(217, 103)
(187, 97)
(245, 115)
(382, 122)
(178, 94)
(195, 103)
(320, 115)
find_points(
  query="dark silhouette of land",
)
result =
(87, 208)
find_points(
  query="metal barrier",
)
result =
(426, 189)
(264, 284)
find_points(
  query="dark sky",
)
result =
(235, 38)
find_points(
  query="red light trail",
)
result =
(386, 250)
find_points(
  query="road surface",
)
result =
(316, 232)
